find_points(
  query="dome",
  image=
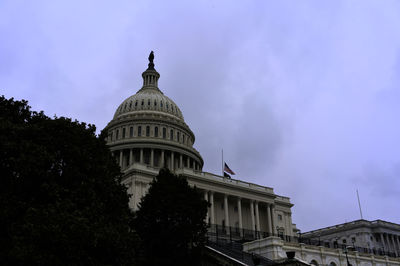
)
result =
(148, 100)
(148, 128)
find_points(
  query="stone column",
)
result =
(273, 218)
(290, 224)
(206, 199)
(162, 159)
(180, 161)
(172, 161)
(393, 244)
(141, 155)
(212, 213)
(252, 215)
(152, 157)
(398, 243)
(383, 242)
(257, 216)
(121, 158)
(130, 156)
(239, 206)
(226, 210)
(269, 218)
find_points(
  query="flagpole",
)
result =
(222, 153)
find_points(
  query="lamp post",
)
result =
(347, 258)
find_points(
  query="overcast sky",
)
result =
(303, 96)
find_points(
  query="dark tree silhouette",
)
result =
(61, 200)
(170, 221)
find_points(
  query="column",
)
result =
(252, 215)
(398, 242)
(172, 161)
(273, 219)
(206, 199)
(180, 161)
(162, 159)
(290, 224)
(383, 242)
(226, 211)
(212, 216)
(141, 155)
(130, 156)
(121, 157)
(136, 195)
(239, 206)
(393, 245)
(269, 218)
(257, 216)
(152, 157)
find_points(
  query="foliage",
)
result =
(61, 200)
(170, 220)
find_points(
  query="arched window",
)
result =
(178, 135)
(123, 133)
(142, 102)
(314, 262)
(131, 132)
(148, 102)
(130, 105)
(112, 135)
(161, 105)
(117, 134)
(171, 134)
(183, 136)
(156, 132)
(164, 133)
(147, 131)
(139, 131)
(332, 264)
(136, 103)
(155, 103)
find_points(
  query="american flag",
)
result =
(228, 170)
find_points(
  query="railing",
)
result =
(218, 233)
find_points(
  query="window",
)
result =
(353, 240)
(279, 217)
(139, 131)
(147, 131)
(123, 133)
(117, 134)
(164, 133)
(236, 209)
(183, 136)
(131, 132)
(178, 137)
(130, 105)
(171, 134)
(142, 102)
(148, 102)
(344, 241)
(112, 135)
(156, 132)
(167, 105)
(135, 103)
(161, 105)
(155, 103)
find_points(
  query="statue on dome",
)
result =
(151, 57)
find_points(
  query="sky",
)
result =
(302, 96)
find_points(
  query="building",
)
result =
(377, 237)
(358, 243)
(148, 132)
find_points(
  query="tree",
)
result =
(171, 220)
(61, 200)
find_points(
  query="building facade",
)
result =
(380, 237)
(148, 132)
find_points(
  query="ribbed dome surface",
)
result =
(148, 100)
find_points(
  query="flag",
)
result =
(228, 170)
(226, 175)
